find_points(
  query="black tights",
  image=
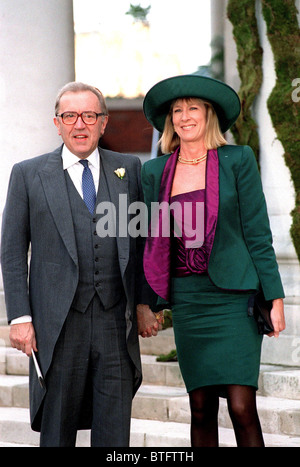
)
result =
(241, 400)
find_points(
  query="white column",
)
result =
(276, 177)
(231, 75)
(280, 196)
(37, 58)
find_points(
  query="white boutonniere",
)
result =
(120, 172)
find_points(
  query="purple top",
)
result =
(189, 247)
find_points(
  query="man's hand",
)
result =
(22, 337)
(148, 325)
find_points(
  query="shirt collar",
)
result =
(69, 159)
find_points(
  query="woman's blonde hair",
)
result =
(214, 138)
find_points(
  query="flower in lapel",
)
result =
(120, 172)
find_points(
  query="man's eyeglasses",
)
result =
(89, 118)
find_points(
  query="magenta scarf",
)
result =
(157, 254)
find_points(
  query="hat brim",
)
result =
(224, 99)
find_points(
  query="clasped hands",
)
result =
(149, 323)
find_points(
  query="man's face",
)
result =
(81, 139)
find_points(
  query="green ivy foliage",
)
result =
(283, 34)
(242, 16)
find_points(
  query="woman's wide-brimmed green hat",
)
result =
(224, 99)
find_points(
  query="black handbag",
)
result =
(260, 309)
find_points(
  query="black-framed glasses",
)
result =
(89, 118)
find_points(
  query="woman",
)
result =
(208, 284)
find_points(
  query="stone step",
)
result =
(15, 431)
(15, 427)
(170, 434)
(274, 380)
(13, 362)
(14, 391)
(3, 319)
(282, 351)
(277, 416)
(164, 373)
(4, 334)
(170, 404)
(162, 399)
(163, 343)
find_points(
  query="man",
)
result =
(77, 306)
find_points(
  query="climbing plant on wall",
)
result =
(283, 33)
(242, 16)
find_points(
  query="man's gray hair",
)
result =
(77, 86)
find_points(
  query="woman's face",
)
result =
(189, 119)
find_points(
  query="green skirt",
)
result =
(217, 342)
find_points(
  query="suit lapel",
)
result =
(212, 199)
(54, 184)
(157, 254)
(118, 193)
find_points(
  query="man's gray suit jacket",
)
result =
(37, 216)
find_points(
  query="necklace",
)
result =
(192, 161)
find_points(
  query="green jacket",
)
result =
(242, 255)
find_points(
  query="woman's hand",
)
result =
(277, 317)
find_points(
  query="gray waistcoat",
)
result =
(99, 270)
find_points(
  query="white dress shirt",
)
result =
(75, 169)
